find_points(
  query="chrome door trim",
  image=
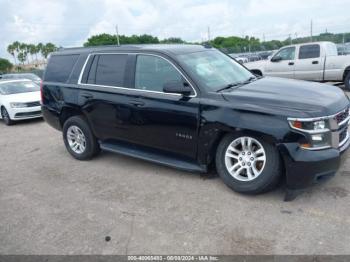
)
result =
(134, 89)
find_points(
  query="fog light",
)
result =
(317, 138)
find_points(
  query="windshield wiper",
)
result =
(229, 86)
(250, 79)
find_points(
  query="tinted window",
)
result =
(153, 72)
(309, 51)
(92, 71)
(110, 70)
(287, 53)
(60, 67)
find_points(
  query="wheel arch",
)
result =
(208, 149)
(1, 107)
(346, 71)
(68, 111)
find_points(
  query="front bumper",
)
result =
(304, 167)
(25, 113)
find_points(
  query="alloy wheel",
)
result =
(245, 158)
(76, 139)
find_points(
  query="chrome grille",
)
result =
(339, 128)
(340, 117)
(33, 104)
(342, 135)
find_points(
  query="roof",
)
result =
(3, 81)
(311, 43)
(18, 74)
(172, 49)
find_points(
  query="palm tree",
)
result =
(11, 50)
(16, 46)
(23, 53)
(32, 50)
(37, 50)
(40, 48)
(47, 49)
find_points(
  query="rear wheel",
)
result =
(6, 117)
(248, 164)
(79, 139)
(347, 81)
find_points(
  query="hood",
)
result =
(293, 98)
(23, 97)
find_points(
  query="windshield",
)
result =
(214, 70)
(18, 87)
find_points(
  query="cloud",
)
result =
(71, 22)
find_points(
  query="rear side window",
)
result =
(60, 67)
(309, 51)
(109, 70)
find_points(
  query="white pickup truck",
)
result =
(317, 61)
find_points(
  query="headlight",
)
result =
(317, 133)
(18, 105)
(309, 126)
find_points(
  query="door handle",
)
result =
(87, 95)
(291, 63)
(137, 103)
(314, 62)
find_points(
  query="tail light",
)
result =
(41, 92)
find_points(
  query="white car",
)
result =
(317, 61)
(19, 99)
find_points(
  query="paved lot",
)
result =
(53, 204)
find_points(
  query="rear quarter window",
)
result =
(309, 51)
(60, 67)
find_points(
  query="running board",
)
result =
(152, 156)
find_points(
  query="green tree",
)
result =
(107, 39)
(101, 39)
(5, 65)
(172, 40)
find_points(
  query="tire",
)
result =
(6, 117)
(267, 172)
(347, 81)
(79, 139)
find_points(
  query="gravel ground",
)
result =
(53, 204)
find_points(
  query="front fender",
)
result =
(215, 123)
(260, 66)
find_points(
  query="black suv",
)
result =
(190, 106)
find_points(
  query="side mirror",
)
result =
(177, 87)
(276, 59)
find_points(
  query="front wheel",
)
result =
(347, 81)
(79, 139)
(248, 164)
(6, 117)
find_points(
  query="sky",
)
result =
(69, 23)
